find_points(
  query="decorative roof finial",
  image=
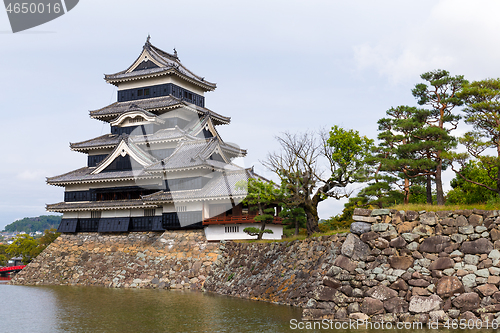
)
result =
(147, 40)
(175, 52)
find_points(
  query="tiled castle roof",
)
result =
(84, 175)
(154, 104)
(195, 154)
(98, 205)
(222, 186)
(167, 64)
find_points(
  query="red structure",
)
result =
(4, 270)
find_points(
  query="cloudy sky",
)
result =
(279, 66)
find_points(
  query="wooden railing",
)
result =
(237, 219)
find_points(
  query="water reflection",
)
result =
(87, 309)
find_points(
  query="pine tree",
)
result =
(401, 154)
(482, 111)
(441, 94)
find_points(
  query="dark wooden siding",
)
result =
(88, 225)
(68, 225)
(73, 196)
(161, 90)
(188, 220)
(93, 160)
(146, 223)
(116, 224)
(168, 221)
(111, 193)
(145, 65)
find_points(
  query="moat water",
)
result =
(94, 309)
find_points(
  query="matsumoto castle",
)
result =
(164, 165)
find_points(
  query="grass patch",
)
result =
(292, 238)
(434, 208)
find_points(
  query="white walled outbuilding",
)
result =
(217, 232)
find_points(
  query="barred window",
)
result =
(181, 208)
(95, 214)
(149, 212)
(233, 228)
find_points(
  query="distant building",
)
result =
(164, 165)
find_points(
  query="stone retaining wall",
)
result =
(394, 266)
(180, 259)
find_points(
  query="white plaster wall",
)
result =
(115, 213)
(168, 208)
(161, 80)
(188, 173)
(144, 82)
(77, 187)
(84, 215)
(70, 215)
(100, 151)
(190, 206)
(137, 212)
(217, 232)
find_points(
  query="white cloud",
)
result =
(400, 64)
(453, 35)
(31, 175)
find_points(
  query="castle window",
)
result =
(233, 228)
(181, 208)
(146, 92)
(139, 92)
(95, 214)
(136, 120)
(149, 212)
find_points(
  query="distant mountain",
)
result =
(32, 224)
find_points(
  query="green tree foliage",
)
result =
(466, 192)
(32, 224)
(24, 246)
(300, 167)
(482, 111)
(377, 194)
(261, 196)
(29, 248)
(441, 94)
(419, 195)
(252, 231)
(293, 217)
(401, 155)
(49, 235)
(4, 256)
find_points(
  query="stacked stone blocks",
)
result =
(175, 260)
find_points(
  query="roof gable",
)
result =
(137, 114)
(126, 148)
(144, 61)
(154, 62)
